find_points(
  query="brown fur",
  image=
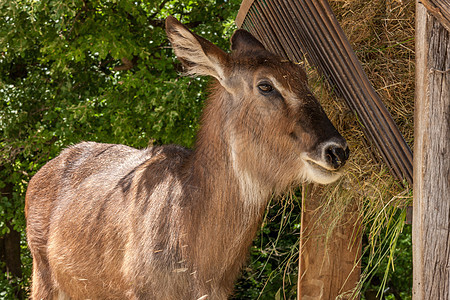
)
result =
(113, 222)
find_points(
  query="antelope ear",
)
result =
(198, 55)
(243, 40)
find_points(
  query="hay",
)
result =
(382, 35)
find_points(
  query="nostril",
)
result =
(336, 155)
(347, 153)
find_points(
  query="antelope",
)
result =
(109, 221)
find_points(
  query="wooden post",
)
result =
(431, 219)
(329, 267)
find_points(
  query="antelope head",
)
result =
(276, 132)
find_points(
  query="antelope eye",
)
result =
(265, 87)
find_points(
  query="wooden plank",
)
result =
(431, 219)
(440, 9)
(242, 13)
(328, 267)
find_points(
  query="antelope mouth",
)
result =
(320, 172)
(320, 167)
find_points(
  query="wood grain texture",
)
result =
(329, 262)
(431, 222)
(440, 9)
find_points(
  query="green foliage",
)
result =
(13, 287)
(387, 261)
(273, 268)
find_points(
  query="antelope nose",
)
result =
(336, 155)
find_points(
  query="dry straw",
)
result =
(382, 35)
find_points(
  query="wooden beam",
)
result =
(242, 13)
(440, 9)
(329, 264)
(431, 219)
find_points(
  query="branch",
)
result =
(127, 64)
